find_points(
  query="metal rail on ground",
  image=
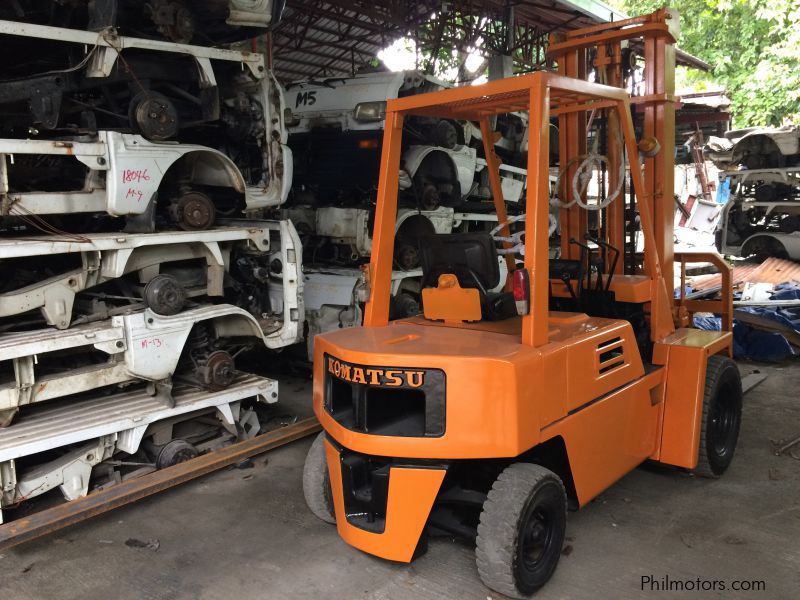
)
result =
(53, 519)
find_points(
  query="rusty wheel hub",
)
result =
(154, 116)
(219, 370)
(164, 295)
(195, 211)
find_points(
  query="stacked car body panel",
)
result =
(136, 259)
(760, 170)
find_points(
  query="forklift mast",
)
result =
(656, 33)
(610, 48)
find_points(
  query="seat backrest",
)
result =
(471, 257)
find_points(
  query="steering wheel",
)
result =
(517, 240)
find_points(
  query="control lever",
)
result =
(586, 252)
(477, 280)
(600, 266)
(614, 260)
(568, 283)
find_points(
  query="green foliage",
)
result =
(753, 47)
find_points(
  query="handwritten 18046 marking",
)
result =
(135, 175)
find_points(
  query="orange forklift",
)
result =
(494, 411)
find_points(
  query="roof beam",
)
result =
(312, 48)
(300, 61)
(341, 17)
(302, 74)
(316, 27)
(368, 9)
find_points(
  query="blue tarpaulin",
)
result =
(786, 291)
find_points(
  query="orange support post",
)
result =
(571, 143)
(661, 323)
(376, 312)
(659, 122)
(610, 59)
(535, 323)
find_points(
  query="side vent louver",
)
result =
(610, 355)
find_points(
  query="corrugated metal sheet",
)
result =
(700, 283)
(772, 270)
(329, 39)
(775, 270)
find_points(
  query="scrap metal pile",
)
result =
(761, 175)
(758, 218)
(137, 257)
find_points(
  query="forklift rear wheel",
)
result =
(521, 530)
(317, 482)
(722, 416)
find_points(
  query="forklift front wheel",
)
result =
(317, 481)
(521, 530)
(722, 416)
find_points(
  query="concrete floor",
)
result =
(246, 534)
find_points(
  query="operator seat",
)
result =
(473, 259)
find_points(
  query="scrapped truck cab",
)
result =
(490, 414)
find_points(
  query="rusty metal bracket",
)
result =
(53, 519)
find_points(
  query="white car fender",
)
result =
(463, 158)
(138, 167)
(157, 341)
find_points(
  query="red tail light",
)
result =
(522, 291)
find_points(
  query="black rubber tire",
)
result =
(522, 496)
(722, 416)
(317, 483)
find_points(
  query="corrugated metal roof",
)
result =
(328, 39)
(334, 38)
